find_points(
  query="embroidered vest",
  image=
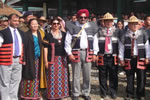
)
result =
(91, 30)
(6, 50)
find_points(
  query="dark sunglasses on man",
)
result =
(83, 17)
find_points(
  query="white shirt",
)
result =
(135, 52)
(1, 41)
(83, 41)
(19, 38)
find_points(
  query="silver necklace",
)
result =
(57, 36)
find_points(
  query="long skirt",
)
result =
(57, 79)
(30, 88)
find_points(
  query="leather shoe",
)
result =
(113, 96)
(140, 98)
(127, 98)
(87, 97)
(75, 98)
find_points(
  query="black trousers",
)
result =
(141, 80)
(108, 71)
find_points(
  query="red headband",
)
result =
(83, 11)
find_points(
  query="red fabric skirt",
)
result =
(57, 79)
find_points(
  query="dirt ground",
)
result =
(121, 87)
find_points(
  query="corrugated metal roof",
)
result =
(12, 2)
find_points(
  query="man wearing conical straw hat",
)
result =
(107, 57)
(133, 54)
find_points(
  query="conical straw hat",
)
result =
(108, 16)
(42, 18)
(133, 19)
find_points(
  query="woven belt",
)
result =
(107, 55)
(134, 56)
(83, 49)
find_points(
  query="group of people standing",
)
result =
(31, 59)
(109, 47)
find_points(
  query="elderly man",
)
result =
(80, 44)
(134, 54)
(107, 57)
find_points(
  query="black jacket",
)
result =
(29, 68)
(8, 39)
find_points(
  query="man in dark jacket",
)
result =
(11, 50)
(134, 54)
(107, 62)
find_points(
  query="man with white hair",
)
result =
(81, 44)
(107, 57)
(134, 55)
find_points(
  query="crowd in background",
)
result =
(44, 43)
(45, 22)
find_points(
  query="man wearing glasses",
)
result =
(81, 44)
(134, 55)
(107, 57)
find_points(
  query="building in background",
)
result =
(69, 7)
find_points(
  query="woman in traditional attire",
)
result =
(30, 81)
(56, 63)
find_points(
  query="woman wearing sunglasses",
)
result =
(55, 62)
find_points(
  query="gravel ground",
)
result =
(121, 87)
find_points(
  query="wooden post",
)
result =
(44, 9)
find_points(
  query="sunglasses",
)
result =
(83, 17)
(55, 23)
